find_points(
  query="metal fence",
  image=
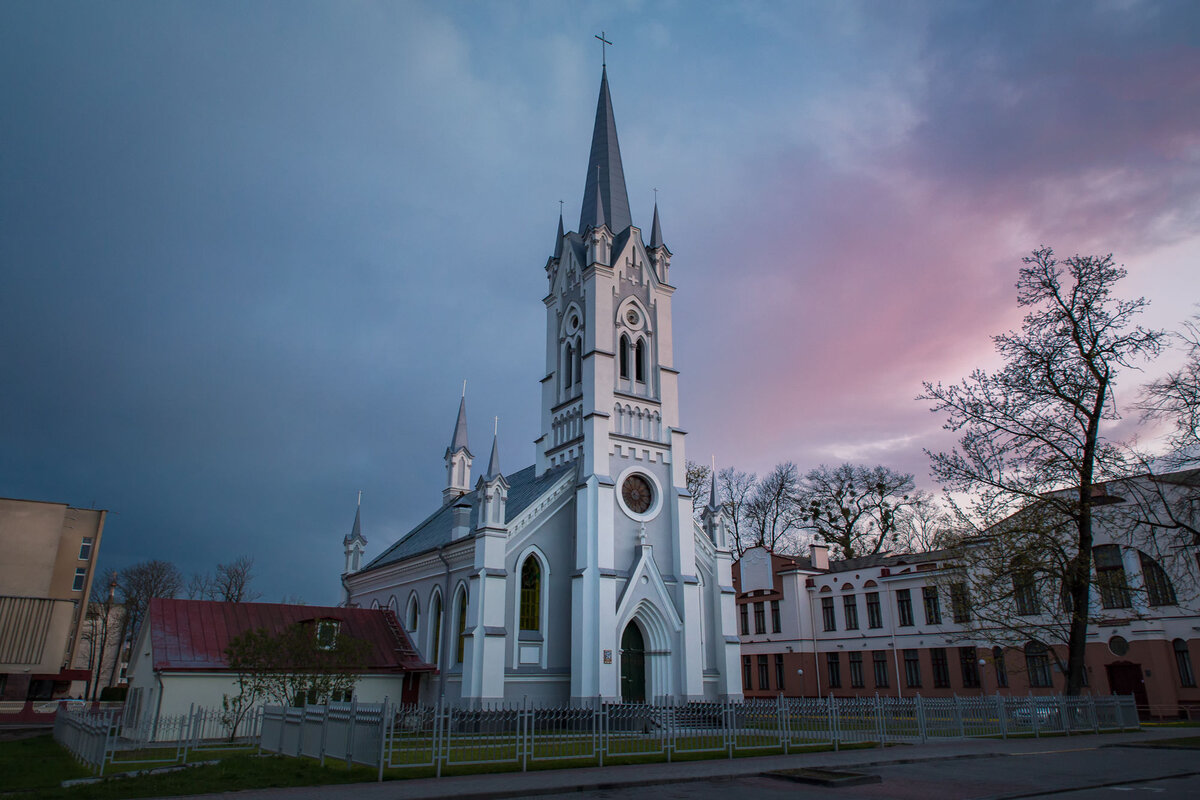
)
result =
(101, 741)
(384, 735)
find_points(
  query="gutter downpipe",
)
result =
(895, 653)
(812, 623)
(442, 632)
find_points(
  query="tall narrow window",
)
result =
(874, 615)
(833, 666)
(744, 613)
(764, 679)
(578, 361)
(850, 603)
(779, 672)
(856, 670)
(1183, 663)
(1037, 663)
(760, 618)
(568, 365)
(970, 667)
(1001, 667)
(941, 669)
(933, 607)
(1025, 593)
(623, 357)
(912, 668)
(776, 619)
(639, 361)
(80, 577)
(827, 614)
(904, 607)
(1110, 576)
(85, 548)
(747, 674)
(460, 628)
(411, 615)
(435, 634)
(531, 595)
(960, 603)
(1159, 591)
(879, 663)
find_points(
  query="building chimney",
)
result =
(461, 524)
(818, 554)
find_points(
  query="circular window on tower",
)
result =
(572, 323)
(639, 495)
(632, 317)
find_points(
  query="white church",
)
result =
(583, 577)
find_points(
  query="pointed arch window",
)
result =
(623, 357)
(639, 361)
(460, 627)
(435, 626)
(578, 362)
(1159, 590)
(531, 595)
(568, 364)
(411, 615)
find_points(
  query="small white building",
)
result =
(179, 656)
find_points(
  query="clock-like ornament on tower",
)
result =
(637, 494)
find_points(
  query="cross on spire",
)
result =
(603, 43)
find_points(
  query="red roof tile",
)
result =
(193, 634)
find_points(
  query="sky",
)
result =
(250, 251)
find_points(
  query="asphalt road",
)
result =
(1068, 774)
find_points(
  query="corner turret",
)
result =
(458, 457)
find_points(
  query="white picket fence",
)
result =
(102, 741)
(384, 735)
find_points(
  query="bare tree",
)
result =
(859, 510)
(1032, 433)
(229, 584)
(697, 484)
(1175, 399)
(773, 510)
(139, 584)
(97, 634)
(736, 488)
(928, 526)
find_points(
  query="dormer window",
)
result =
(327, 632)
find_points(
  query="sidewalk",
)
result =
(530, 784)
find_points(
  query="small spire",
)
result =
(712, 487)
(558, 240)
(656, 239)
(459, 440)
(493, 470)
(356, 531)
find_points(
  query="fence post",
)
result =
(920, 712)
(107, 737)
(962, 725)
(727, 716)
(383, 735)
(880, 730)
(599, 719)
(1002, 715)
(781, 722)
(523, 734)
(439, 733)
(350, 731)
(1033, 717)
(1095, 716)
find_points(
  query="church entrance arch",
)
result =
(633, 664)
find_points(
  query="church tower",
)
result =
(610, 407)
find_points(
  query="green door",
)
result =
(633, 665)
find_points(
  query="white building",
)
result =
(582, 577)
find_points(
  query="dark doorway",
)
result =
(633, 665)
(1126, 678)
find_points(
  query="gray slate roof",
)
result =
(523, 489)
(888, 559)
(605, 172)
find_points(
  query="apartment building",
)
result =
(49, 559)
(902, 624)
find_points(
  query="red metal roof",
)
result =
(193, 634)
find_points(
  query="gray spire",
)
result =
(712, 492)
(493, 470)
(655, 230)
(558, 241)
(356, 531)
(459, 441)
(605, 175)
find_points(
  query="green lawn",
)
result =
(35, 763)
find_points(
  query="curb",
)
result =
(1105, 785)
